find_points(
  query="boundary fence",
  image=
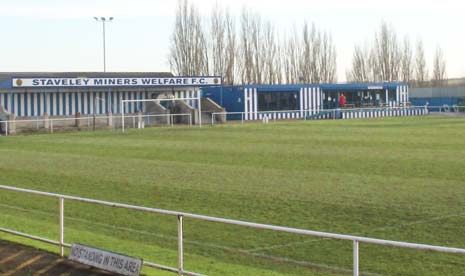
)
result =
(356, 240)
(312, 114)
(141, 120)
(112, 122)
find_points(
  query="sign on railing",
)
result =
(106, 260)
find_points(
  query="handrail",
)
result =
(180, 215)
(170, 117)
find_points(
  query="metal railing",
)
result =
(88, 121)
(356, 240)
(306, 114)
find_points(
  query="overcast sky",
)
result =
(52, 35)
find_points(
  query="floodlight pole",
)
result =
(104, 20)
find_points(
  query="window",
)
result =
(272, 101)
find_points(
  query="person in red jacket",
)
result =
(342, 100)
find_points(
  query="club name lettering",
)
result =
(82, 82)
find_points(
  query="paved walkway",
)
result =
(19, 260)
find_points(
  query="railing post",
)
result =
(62, 225)
(242, 118)
(356, 263)
(180, 246)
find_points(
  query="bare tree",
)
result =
(327, 59)
(360, 71)
(230, 50)
(257, 39)
(246, 59)
(280, 60)
(439, 68)
(217, 40)
(188, 54)
(384, 60)
(257, 54)
(291, 49)
(421, 71)
(270, 51)
(406, 73)
(310, 50)
(386, 54)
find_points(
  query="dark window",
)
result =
(272, 101)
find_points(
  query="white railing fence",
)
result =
(91, 122)
(356, 240)
(186, 100)
(316, 113)
(141, 120)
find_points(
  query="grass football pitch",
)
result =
(394, 178)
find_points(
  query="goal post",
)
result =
(197, 99)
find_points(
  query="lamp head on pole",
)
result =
(103, 19)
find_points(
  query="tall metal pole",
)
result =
(104, 51)
(104, 20)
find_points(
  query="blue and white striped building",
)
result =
(315, 101)
(29, 95)
(65, 94)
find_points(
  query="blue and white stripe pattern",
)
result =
(383, 112)
(311, 103)
(402, 94)
(250, 104)
(32, 104)
(188, 94)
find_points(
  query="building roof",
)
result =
(334, 87)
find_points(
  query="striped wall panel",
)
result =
(250, 104)
(69, 103)
(377, 113)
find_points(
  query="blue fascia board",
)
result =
(327, 87)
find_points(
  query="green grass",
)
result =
(396, 178)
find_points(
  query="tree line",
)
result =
(250, 50)
(387, 58)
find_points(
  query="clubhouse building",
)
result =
(32, 95)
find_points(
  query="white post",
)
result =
(62, 225)
(180, 246)
(190, 119)
(242, 118)
(356, 263)
(51, 126)
(171, 119)
(200, 109)
(122, 115)
(213, 114)
(6, 128)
